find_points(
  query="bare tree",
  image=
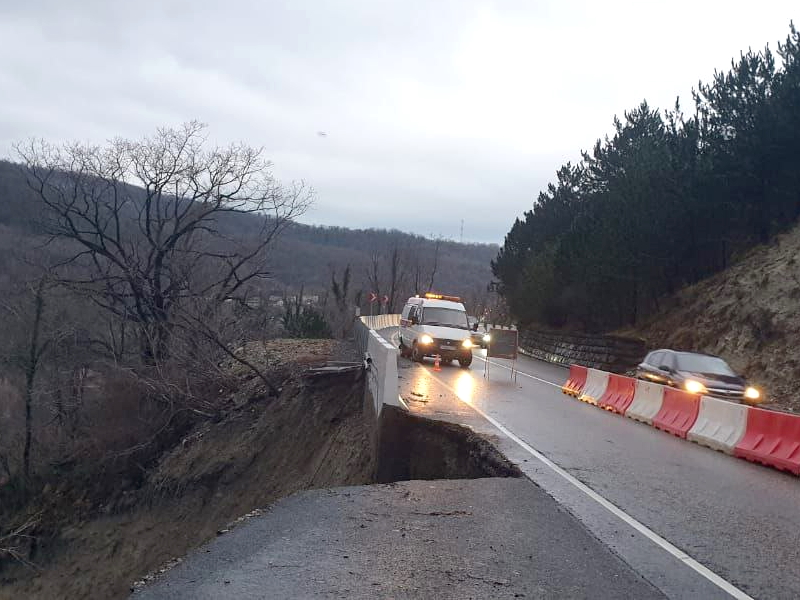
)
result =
(36, 349)
(32, 336)
(422, 266)
(342, 310)
(435, 266)
(15, 542)
(397, 276)
(154, 225)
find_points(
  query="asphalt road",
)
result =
(461, 539)
(739, 520)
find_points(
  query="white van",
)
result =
(436, 324)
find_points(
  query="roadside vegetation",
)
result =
(671, 198)
(747, 313)
(122, 295)
(144, 285)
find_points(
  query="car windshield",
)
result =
(698, 363)
(434, 315)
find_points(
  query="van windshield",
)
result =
(447, 317)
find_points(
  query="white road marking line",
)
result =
(676, 552)
(496, 364)
(396, 341)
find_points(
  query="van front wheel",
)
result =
(465, 361)
(416, 356)
(404, 350)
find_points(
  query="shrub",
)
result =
(305, 322)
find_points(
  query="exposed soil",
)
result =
(748, 314)
(319, 433)
(413, 447)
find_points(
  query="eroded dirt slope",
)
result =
(748, 314)
(321, 432)
(314, 435)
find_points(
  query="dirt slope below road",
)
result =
(312, 436)
(748, 314)
(321, 432)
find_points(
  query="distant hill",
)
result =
(303, 249)
(307, 256)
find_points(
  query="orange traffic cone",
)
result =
(436, 363)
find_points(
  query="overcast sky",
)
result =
(434, 111)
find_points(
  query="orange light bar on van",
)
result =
(432, 296)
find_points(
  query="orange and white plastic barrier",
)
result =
(764, 436)
(647, 400)
(719, 425)
(576, 380)
(619, 394)
(596, 384)
(678, 412)
(771, 438)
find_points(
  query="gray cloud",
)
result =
(435, 111)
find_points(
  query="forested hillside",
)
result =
(670, 198)
(307, 255)
(390, 263)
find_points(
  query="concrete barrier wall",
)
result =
(607, 352)
(379, 322)
(361, 336)
(382, 371)
(380, 356)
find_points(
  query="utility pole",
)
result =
(462, 231)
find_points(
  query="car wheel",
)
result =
(465, 362)
(415, 354)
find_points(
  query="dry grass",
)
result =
(748, 314)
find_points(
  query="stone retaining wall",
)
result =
(607, 352)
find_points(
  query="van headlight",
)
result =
(425, 339)
(752, 393)
(694, 387)
(487, 338)
(467, 343)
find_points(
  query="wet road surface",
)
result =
(480, 538)
(739, 520)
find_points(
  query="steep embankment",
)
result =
(748, 314)
(320, 432)
(258, 449)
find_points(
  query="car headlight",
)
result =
(467, 343)
(695, 387)
(425, 339)
(487, 338)
(752, 393)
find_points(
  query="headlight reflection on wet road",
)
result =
(465, 387)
